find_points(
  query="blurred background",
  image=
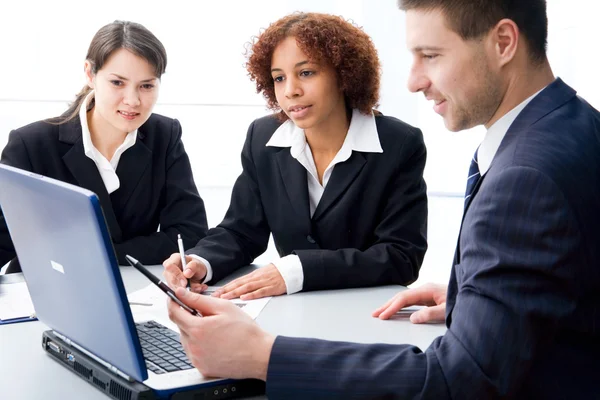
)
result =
(43, 46)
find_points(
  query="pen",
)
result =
(163, 286)
(182, 255)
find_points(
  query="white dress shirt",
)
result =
(494, 135)
(106, 168)
(362, 136)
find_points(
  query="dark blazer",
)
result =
(157, 187)
(368, 229)
(523, 304)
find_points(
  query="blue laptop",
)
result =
(69, 263)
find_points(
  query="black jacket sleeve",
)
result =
(182, 211)
(244, 232)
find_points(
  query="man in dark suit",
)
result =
(522, 306)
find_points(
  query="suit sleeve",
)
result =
(14, 154)
(183, 212)
(401, 235)
(244, 232)
(518, 272)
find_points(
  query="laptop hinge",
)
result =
(101, 361)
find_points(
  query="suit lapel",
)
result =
(342, 176)
(469, 200)
(294, 179)
(548, 100)
(553, 96)
(133, 164)
(86, 173)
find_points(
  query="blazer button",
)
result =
(310, 239)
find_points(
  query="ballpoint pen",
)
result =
(163, 286)
(182, 255)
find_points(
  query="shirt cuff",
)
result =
(290, 268)
(209, 271)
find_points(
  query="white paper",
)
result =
(153, 300)
(15, 301)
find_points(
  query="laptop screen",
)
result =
(68, 261)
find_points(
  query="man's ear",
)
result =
(506, 38)
(89, 74)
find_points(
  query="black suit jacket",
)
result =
(523, 304)
(369, 227)
(156, 185)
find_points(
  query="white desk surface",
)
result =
(26, 372)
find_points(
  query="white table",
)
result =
(26, 372)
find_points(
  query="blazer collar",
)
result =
(552, 97)
(362, 137)
(342, 176)
(132, 166)
(494, 135)
(70, 132)
(294, 178)
(86, 173)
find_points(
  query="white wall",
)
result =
(43, 45)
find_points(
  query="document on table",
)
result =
(151, 298)
(15, 303)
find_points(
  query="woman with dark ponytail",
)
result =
(110, 142)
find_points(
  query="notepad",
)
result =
(152, 298)
(15, 302)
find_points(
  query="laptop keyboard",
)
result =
(162, 348)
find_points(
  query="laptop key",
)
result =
(162, 348)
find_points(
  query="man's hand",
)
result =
(176, 276)
(431, 295)
(265, 281)
(225, 342)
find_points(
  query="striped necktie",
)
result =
(473, 178)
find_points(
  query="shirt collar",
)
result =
(494, 135)
(362, 136)
(88, 147)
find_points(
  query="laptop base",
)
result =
(119, 388)
(93, 372)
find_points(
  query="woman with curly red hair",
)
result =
(339, 185)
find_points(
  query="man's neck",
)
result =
(521, 86)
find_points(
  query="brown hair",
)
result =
(114, 36)
(326, 38)
(471, 19)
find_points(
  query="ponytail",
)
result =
(74, 107)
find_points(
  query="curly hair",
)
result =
(323, 38)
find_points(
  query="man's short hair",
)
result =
(471, 19)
